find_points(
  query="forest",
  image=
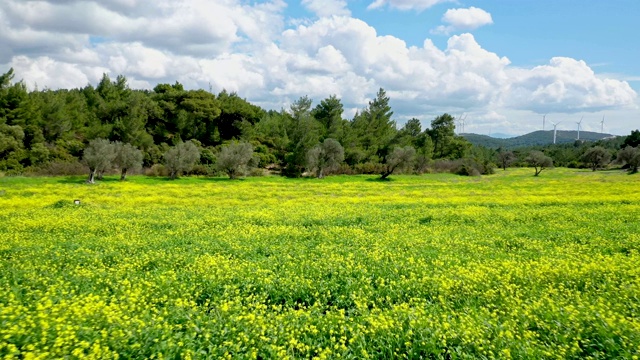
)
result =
(50, 132)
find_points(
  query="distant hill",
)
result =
(535, 138)
(500, 135)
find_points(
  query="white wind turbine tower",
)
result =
(462, 120)
(544, 117)
(602, 125)
(579, 123)
(554, 130)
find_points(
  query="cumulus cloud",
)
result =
(44, 72)
(196, 27)
(250, 50)
(566, 85)
(324, 8)
(406, 4)
(463, 20)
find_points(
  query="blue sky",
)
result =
(501, 63)
(529, 33)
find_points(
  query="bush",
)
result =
(464, 167)
(422, 164)
(488, 168)
(60, 168)
(344, 169)
(203, 170)
(13, 173)
(156, 170)
(368, 168)
(199, 170)
(467, 167)
(257, 172)
(445, 166)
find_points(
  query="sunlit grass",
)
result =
(507, 265)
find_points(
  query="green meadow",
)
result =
(421, 267)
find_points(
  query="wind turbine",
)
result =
(462, 120)
(602, 125)
(554, 130)
(544, 117)
(579, 123)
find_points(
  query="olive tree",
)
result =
(325, 157)
(596, 157)
(235, 158)
(539, 161)
(98, 156)
(181, 158)
(127, 158)
(505, 158)
(400, 158)
(630, 156)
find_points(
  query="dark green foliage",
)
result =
(442, 132)
(536, 138)
(237, 116)
(468, 167)
(44, 127)
(633, 139)
(630, 156)
(401, 158)
(329, 114)
(304, 133)
(373, 129)
(596, 157)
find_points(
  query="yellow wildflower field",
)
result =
(432, 266)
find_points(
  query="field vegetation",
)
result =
(434, 266)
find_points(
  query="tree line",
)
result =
(172, 131)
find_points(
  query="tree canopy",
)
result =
(43, 127)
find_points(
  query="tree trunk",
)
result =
(320, 175)
(92, 174)
(387, 172)
(123, 175)
(538, 171)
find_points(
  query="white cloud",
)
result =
(324, 8)
(247, 48)
(406, 4)
(463, 20)
(566, 85)
(46, 72)
(196, 27)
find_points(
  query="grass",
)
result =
(433, 266)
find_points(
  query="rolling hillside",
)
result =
(533, 139)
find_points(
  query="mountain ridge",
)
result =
(535, 138)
